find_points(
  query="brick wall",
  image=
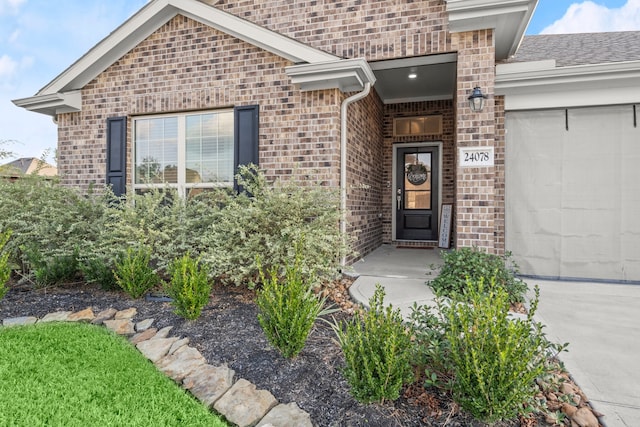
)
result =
(392, 111)
(185, 65)
(475, 187)
(365, 173)
(372, 29)
(500, 207)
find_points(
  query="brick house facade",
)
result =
(298, 61)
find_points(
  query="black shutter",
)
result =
(246, 135)
(117, 154)
(245, 121)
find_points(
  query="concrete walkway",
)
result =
(600, 321)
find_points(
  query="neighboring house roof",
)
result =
(572, 70)
(29, 165)
(580, 49)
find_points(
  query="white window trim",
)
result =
(181, 186)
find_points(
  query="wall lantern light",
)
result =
(476, 100)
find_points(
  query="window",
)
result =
(190, 152)
(414, 126)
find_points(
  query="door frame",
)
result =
(394, 166)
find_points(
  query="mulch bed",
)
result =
(228, 333)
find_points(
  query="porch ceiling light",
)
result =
(476, 100)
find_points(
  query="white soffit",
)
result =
(348, 75)
(52, 104)
(540, 85)
(140, 26)
(509, 18)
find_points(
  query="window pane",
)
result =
(417, 180)
(209, 149)
(156, 150)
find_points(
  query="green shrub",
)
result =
(189, 287)
(96, 270)
(287, 309)
(269, 219)
(430, 347)
(158, 219)
(472, 264)
(377, 351)
(495, 359)
(133, 272)
(56, 220)
(5, 269)
(52, 269)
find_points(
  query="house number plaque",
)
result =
(471, 157)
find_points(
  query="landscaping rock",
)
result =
(144, 325)
(143, 336)
(163, 333)
(104, 315)
(585, 418)
(244, 405)
(19, 321)
(156, 348)
(85, 315)
(126, 314)
(208, 383)
(569, 410)
(58, 316)
(286, 416)
(180, 364)
(120, 326)
(178, 344)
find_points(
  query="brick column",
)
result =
(475, 186)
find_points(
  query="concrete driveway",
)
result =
(601, 323)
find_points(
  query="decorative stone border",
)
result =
(240, 402)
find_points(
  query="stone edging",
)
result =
(239, 402)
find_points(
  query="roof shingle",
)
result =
(580, 49)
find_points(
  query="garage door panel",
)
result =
(573, 196)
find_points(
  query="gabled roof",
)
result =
(62, 93)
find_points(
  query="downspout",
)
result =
(343, 158)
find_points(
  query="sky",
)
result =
(39, 39)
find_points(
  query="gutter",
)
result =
(343, 159)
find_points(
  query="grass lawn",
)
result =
(70, 374)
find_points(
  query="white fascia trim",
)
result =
(508, 77)
(158, 12)
(575, 86)
(348, 75)
(53, 104)
(509, 18)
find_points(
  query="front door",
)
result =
(416, 193)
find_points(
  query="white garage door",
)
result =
(573, 196)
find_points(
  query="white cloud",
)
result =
(589, 17)
(10, 6)
(13, 37)
(7, 67)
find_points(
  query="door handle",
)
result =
(399, 198)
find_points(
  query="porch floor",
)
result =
(403, 272)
